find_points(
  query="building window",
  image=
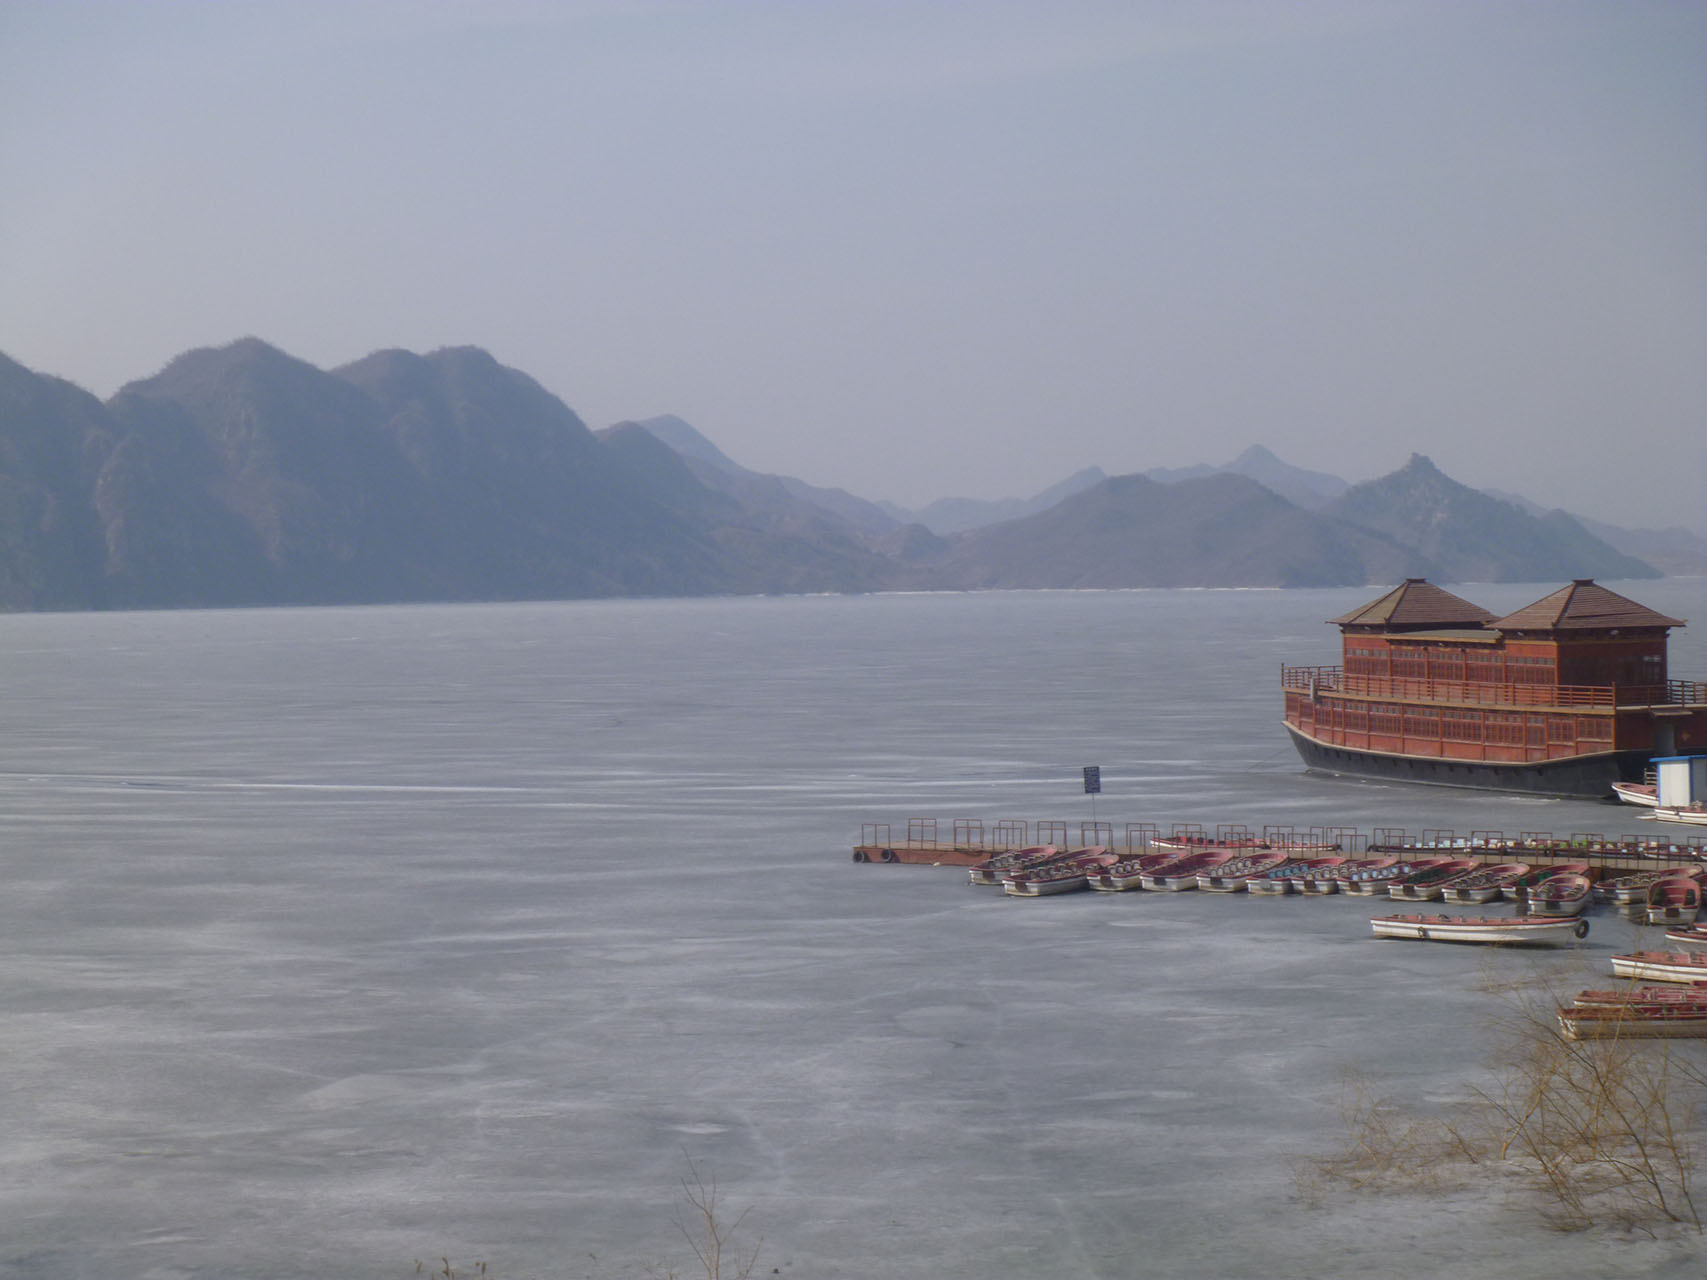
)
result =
(1461, 726)
(1422, 722)
(1504, 728)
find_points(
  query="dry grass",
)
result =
(1392, 1148)
(718, 1248)
(711, 1239)
(1610, 1128)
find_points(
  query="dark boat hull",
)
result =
(1580, 777)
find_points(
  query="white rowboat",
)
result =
(1661, 966)
(1524, 930)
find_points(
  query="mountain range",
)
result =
(241, 475)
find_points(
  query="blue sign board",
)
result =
(1093, 779)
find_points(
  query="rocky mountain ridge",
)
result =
(240, 475)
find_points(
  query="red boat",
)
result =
(1674, 900)
(1059, 875)
(991, 870)
(1181, 875)
(1231, 875)
(1374, 881)
(1561, 895)
(1430, 883)
(1636, 1021)
(1129, 873)
(1519, 891)
(1693, 993)
(1485, 884)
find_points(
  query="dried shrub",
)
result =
(1604, 1132)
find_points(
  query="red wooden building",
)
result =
(1564, 697)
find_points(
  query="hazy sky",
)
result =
(912, 249)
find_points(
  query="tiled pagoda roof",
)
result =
(1416, 604)
(1584, 605)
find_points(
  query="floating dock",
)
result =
(964, 842)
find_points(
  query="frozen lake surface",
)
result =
(335, 939)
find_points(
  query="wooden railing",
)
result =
(1475, 693)
(1487, 845)
(1686, 693)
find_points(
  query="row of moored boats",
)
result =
(1669, 896)
(1550, 901)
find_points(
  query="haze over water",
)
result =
(340, 938)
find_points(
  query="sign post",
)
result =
(1093, 785)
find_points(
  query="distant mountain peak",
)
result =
(686, 440)
(1255, 453)
(1308, 489)
(1472, 537)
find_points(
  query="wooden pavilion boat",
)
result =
(1064, 876)
(1179, 876)
(1674, 900)
(1561, 895)
(1563, 697)
(992, 869)
(1547, 931)
(1661, 966)
(1428, 885)
(1375, 881)
(1230, 876)
(1688, 936)
(1649, 1021)
(1485, 884)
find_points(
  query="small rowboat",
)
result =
(1646, 794)
(1230, 876)
(1203, 841)
(1692, 993)
(1058, 877)
(1334, 879)
(1303, 875)
(1562, 895)
(1485, 884)
(1634, 887)
(1429, 884)
(1661, 966)
(1525, 930)
(1179, 876)
(1129, 873)
(992, 869)
(1279, 879)
(1674, 900)
(1689, 936)
(1519, 892)
(1694, 814)
(1375, 881)
(1686, 1021)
